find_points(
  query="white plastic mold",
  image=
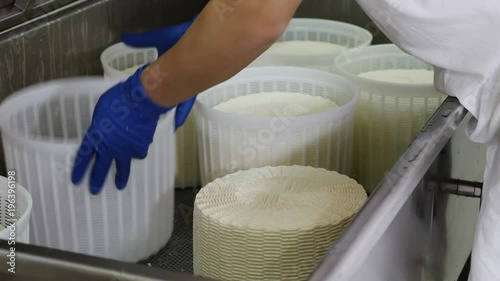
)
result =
(389, 115)
(229, 142)
(15, 210)
(317, 30)
(42, 127)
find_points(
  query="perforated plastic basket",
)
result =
(389, 115)
(322, 30)
(230, 142)
(42, 127)
(120, 57)
(15, 210)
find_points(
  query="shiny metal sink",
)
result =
(41, 264)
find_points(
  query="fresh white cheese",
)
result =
(271, 223)
(188, 168)
(404, 76)
(280, 104)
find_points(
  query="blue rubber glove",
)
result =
(123, 126)
(164, 39)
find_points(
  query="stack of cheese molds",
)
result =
(230, 141)
(313, 43)
(119, 61)
(397, 99)
(271, 223)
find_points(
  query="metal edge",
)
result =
(354, 245)
(65, 10)
(13, 13)
(45, 258)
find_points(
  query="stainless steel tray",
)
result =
(412, 227)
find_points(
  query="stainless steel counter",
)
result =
(412, 228)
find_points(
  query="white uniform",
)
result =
(460, 38)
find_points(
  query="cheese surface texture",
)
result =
(403, 76)
(271, 223)
(188, 168)
(281, 104)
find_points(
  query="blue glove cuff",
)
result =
(138, 98)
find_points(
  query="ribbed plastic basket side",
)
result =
(188, 168)
(120, 57)
(42, 127)
(15, 210)
(388, 115)
(231, 142)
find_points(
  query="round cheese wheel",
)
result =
(306, 47)
(404, 76)
(282, 104)
(271, 223)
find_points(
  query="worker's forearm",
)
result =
(226, 37)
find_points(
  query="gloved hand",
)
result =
(122, 128)
(164, 39)
(125, 119)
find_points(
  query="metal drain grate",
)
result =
(177, 255)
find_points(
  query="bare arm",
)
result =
(225, 38)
